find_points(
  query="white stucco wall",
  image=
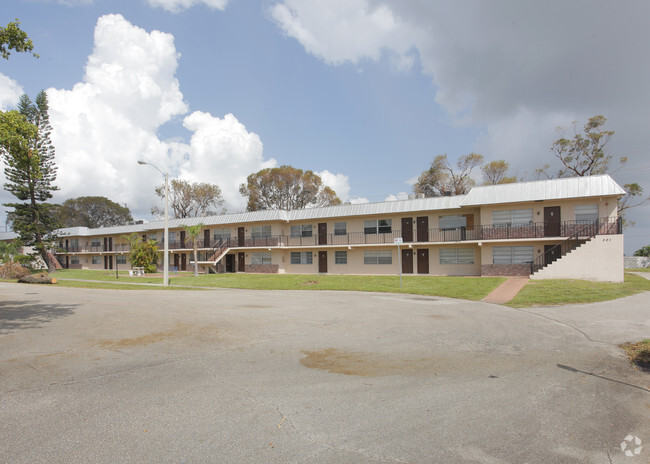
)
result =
(600, 259)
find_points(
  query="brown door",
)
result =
(407, 261)
(407, 229)
(182, 239)
(423, 229)
(110, 262)
(206, 238)
(551, 253)
(322, 237)
(176, 261)
(552, 221)
(110, 246)
(105, 245)
(67, 262)
(423, 261)
(322, 261)
(105, 261)
(241, 261)
(230, 263)
(240, 237)
(67, 246)
(183, 262)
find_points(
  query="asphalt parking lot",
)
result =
(103, 376)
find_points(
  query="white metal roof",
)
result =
(370, 209)
(551, 189)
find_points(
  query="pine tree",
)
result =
(30, 171)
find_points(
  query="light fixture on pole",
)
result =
(166, 236)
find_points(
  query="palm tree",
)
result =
(193, 232)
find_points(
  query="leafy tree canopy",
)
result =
(495, 172)
(586, 154)
(12, 37)
(188, 200)
(645, 251)
(92, 212)
(286, 188)
(443, 177)
(143, 253)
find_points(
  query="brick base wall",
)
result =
(262, 268)
(505, 270)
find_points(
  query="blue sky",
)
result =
(364, 92)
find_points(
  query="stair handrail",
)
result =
(218, 247)
(567, 245)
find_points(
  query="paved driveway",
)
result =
(250, 376)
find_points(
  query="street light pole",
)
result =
(166, 236)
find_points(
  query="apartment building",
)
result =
(558, 228)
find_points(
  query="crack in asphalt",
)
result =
(285, 418)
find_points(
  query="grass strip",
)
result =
(470, 288)
(559, 292)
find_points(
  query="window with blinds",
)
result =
(377, 257)
(301, 231)
(261, 257)
(586, 213)
(512, 255)
(456, 256)
(452, 222)
(301, 257)
(510, 217)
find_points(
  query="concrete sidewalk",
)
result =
(506, 291)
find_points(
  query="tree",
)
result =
(495, 173)
(92, 212)
(645, 251)
(442, 177)
(286, 188)
(193, 234)
(30, 171)
(12, 37)
(585, 155)
(142, 253)
(191, 199)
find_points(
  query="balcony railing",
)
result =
(605, 226)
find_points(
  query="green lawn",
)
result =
(556, 292)
(469, 288)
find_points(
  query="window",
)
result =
(74, 260)
(301, 257)
(586, 214)
(301, 231)
(95, 243)
(121, 259)
(97, 260)
(452, 222)
(340, 257)
(172, 236)
(153, 237)
(377, 226)
(221, 234)
(456, 256)
(340, 228)
(512, 255)
(377, 257)
(262, 257)
(260, 231)
(509, 217)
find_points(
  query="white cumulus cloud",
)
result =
(10, 92)
(110, 120)
(345, 30)
(340, 183)
(175, 6)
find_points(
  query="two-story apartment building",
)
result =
(559, 228)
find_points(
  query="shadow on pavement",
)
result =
(16, 315)
(573, 369)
